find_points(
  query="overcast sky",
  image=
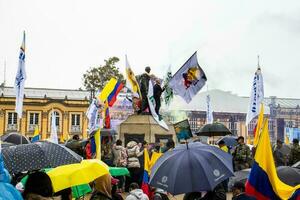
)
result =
(67, 37)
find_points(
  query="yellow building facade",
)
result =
(70, 107)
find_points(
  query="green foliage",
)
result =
(96, 77)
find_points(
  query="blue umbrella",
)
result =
(192, 168)
(229, 140)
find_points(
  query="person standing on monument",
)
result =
(157, 92)
(144, 85)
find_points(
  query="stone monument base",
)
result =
(144, 127)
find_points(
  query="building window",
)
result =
(251, 126)
(33, 121)
(75, 123)
(233, 127)
(12, 121)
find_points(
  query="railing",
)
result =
(12, 127)
(75, 129)
(32, 127)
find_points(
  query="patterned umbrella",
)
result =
(15, 138)
(38, 155)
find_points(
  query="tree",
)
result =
(96, 77)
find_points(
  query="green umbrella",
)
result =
(77, 191)
(118, 171)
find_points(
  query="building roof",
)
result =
(50, 93)
(221, 101)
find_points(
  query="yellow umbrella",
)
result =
(66, 176)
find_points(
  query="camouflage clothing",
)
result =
(241, 157)
(295, 154)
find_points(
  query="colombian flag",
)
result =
(96, 144)
(110, 91)
(106, 116)
(112, 97)
(258, 125)
(36, 135)
(263, 182)
(145, 183)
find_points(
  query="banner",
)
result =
(131, 82)
(53, 134)
(256, 97)
(183, 130)
(168, 93)
(189, 79)
(209, 112)
(20, 80)
(151, 102)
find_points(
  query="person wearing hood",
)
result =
(133, 164)
(120, 155)
(160, 194)
(8, 191)
(102, 188)
(135, 193)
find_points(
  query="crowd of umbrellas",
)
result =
(187, 168)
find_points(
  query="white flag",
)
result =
(151, 102)
(53, 134)
(209, 112)
(256, 97)
(91, 114)
(20, 80)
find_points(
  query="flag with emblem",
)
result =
(20, 80)
(189, 79)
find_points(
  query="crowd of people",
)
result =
(131, 156)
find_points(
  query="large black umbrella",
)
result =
(38, 155)
(288, 175)
(15, 138)
(214, 129)
(199, 167)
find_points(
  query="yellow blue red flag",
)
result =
(263, 181)
(36, 135)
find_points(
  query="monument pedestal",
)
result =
(144, 127)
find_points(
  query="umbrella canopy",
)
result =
(15, 138)
(214, 129)
(118, 171)
(85, 172)
(6, 144)
(199, 167)
(240, 176)
(77, 191)
(229, 140)
(38, 155)
(289, 175)
(286, 174)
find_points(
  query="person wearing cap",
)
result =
(295, 152)
(279, 158)
(241, 155)
(223, 146)
(238, 192)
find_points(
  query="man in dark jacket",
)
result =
(157, 91)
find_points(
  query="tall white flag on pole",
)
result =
(53, 134)
(256, 97)
(20, 80)
(209, 112)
